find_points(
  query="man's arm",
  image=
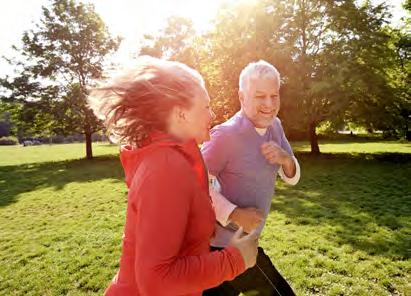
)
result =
(289, 173)
(222, 206)
(289, 166)
(282, 154)
(227, 212)
(290, 178)
(216, 154)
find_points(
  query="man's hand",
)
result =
(248, 218)
(275, 154)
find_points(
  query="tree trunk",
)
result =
(89, 151)
(315, 149)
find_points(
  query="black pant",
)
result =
(263, 280)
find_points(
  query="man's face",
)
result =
(260, 101)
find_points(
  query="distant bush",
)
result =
(61, 139)
(8, 141)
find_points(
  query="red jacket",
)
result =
(169, 223)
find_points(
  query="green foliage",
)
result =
(5, 122)
(62, 56)
(340, 62)
(174, 42)
(8, 141)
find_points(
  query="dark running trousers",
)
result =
(263, 280)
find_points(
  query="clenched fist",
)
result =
(248, 218)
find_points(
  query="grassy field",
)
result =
(15, 155)
(345, 229)
(357, 147)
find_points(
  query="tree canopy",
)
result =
(60, 58)
(340, 62)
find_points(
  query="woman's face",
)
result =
(198, 118)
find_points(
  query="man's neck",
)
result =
(261, 131)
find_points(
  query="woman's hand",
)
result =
(247, 245)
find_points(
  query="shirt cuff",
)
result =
(291, 180)
(222, 207)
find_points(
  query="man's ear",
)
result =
(241, 97)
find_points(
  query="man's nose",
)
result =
(267, 102)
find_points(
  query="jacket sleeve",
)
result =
(163, 212)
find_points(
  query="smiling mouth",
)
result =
(267, 113)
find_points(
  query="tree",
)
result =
(5, 124)
(337, 59)
(31, 106)
(239, 37)
(62, 56)
(332, 56)
(174, 42)
(178, 41)
(386, 103)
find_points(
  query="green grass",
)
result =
(13, 155)
(345, 229)
(357, 147)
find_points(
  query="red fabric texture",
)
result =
(169, 224)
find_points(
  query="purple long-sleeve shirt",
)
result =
(234, 156)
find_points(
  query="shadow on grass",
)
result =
(366, 198)
(17, 179)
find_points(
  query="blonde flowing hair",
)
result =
(140, 99)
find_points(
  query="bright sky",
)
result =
(128, 18)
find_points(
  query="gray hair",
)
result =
(260, 69)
